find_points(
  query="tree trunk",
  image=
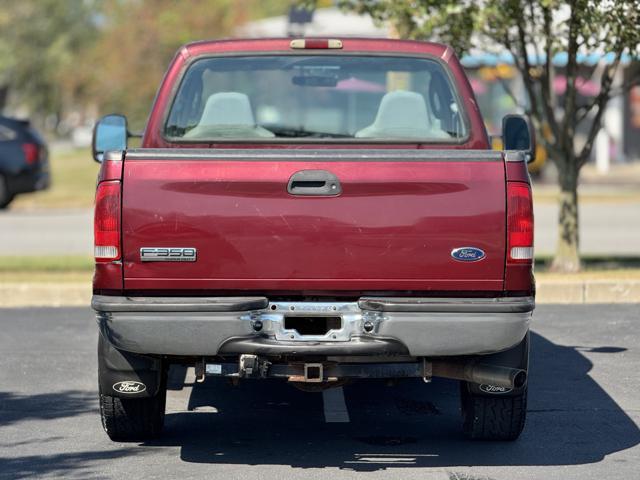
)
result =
(4, 95)
(567, 258)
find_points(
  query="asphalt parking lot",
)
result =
(583, 414)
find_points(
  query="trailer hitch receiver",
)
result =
(313, 372)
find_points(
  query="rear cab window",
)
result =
(357, 98)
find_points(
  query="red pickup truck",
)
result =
(319, 211)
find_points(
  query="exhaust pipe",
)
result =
(481, 373)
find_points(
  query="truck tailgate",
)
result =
(393, 227)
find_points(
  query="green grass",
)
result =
(73, 182)
(46, 264)
(45, 277)
(46, 269)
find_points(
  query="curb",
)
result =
(587, 291)
(15, 295)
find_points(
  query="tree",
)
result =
(534, 31)
(39, 41)
(138, 39)
(105, 55)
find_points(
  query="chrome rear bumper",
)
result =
(371, 326)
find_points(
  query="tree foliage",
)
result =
(534, 31)
(139, 38)
(39, 44)
(59, 56)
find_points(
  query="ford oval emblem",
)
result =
(467, 254)
(129, 387)
(494, 389)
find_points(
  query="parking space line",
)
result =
(335, 408)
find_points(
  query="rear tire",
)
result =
(131, 419)
(5, 197)
(493, 417)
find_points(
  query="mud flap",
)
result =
(127, 375)
(516, 357)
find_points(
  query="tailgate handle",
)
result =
(315, 183)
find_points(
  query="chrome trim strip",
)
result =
(514, 156)
(315, 155)
(113, 155)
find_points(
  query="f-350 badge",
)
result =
(168, 254)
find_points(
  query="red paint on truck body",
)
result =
(392, 228)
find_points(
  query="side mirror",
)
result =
(110, 133)
(518, 134)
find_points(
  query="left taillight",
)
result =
(519, 223)
(106, 222)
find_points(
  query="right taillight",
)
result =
(31, 153)
(106, 223)
(519, 223)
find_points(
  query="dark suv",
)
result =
(24, 160)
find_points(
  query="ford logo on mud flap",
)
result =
(467, 254)
(494, 389)
(129, 387)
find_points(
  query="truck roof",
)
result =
(349, 44)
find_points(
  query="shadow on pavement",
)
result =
(16, 408)
(45, 406)
(571, 420)
(63, 465)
